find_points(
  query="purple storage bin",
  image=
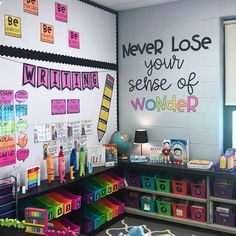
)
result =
(134, 180)
(132, 201)
(7, 207)
(5, 188)
(87, 196)
(226, 219)
(88, 225)
(9, 215)
(121, 205)
(223, 190)
(5, 199)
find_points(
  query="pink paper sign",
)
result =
(21, 96)
(73, 106)
(61, 12)
(7, 158)
(6, 97)
(58, 106)
(74, 41)
(22, 154)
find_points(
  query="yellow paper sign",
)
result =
(46, 33)
(12, 26)
(31, 6)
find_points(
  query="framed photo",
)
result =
(110, 154)
(96, 156)
(180, 150)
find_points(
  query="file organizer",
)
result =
(75, 199)
(95, 190)
(103, 188)
(115, 208)
(8, 199)
(64, 224)
(114, 182)
(37, 204)
(121, 205)
(66, 202)
(120, 180)
(104, 209)
(87, 196)
(88, 225)
(102, 215)
(97, 219)
(104, 185)
(57, 207)
(36, 221)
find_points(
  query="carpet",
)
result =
(148, 232)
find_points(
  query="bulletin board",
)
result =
(58, 61)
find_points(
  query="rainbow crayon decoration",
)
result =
(36, 221)
(32, 177)
(105, 106)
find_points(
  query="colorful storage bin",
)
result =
(88, 225)
(115, 183)
(180, 210)
(121, 181)
(63, 224)
(198, 213)
(115, 208)
(147, 204)
(88, 196)
(180, 187)
(96, 219)
(226, 219)
(75, 199)
(104, 209)
(198, 190)
(132, 199)
(116, 202)
(163, 208)
(134, 180)
(148, 182)
(163, 185)
(223, 190)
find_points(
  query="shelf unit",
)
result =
(76, 187)
(160, 168)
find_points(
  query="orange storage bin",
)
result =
(180, 187)
(180, 210)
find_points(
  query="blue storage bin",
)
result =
(148, 204)
(148, 182)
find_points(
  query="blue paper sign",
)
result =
(7, 112)
(21, 110)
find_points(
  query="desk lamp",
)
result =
(141, 137)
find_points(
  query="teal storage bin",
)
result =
(148, 182)
(102, 215)
(94, 217)
(148, 204)
(96, 191)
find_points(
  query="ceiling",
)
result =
(120, 5)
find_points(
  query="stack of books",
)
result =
(200, 164)
(134, 158)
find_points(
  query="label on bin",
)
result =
(146, 207)
(179, 212)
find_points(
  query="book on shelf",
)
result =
(110, 154)
(200, 164)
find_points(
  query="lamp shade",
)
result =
(141, 136)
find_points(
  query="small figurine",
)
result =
(81, 162)
(166, 152)
(61, 166)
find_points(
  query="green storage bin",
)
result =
(103, 188)
(163, 185)
(147, 204)
(106, 210)
(102, 215)
(163, 208)
(104, 183)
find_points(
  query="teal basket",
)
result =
(148, 204)
(148, 182)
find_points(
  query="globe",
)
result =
(123, 142)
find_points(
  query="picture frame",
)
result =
(96, 156)
(180, 151)
(111, 154)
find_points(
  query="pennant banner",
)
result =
(52, 78)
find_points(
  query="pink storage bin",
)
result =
(121, 205)
(198, 213)
(198, 190)
(76, 199)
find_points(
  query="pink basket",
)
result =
(198, 190)
(198, 213)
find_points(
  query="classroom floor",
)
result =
(176, 229)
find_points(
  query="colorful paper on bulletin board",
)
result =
(73, 106)
(12, 26)
(73, 38)
(42, 133)
(6, 112)
(7, 127)
(22, 154)
(21, 125)
(31, 7)
(61, 130)
(61, 13)
(88, 125)
(21, 110)
(6, 97)
(22, 140)
(8, 158)
(46, 33)
(58, 106)
(7, 142)
(21, 96)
